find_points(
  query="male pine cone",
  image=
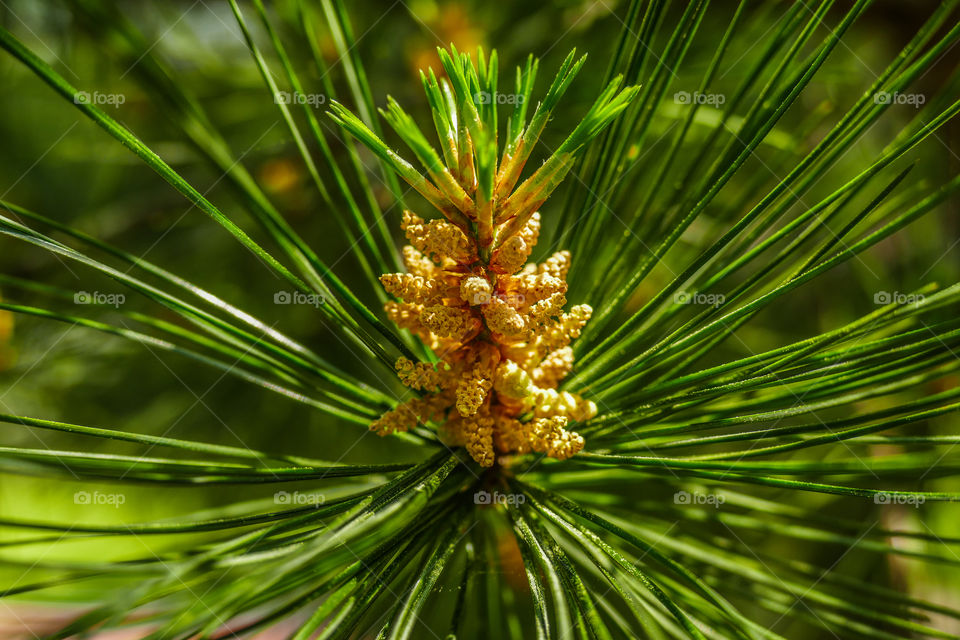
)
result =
(502, 337)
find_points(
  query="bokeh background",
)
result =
(57, 163)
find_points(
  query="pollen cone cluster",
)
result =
(502, 336)
(496, 323)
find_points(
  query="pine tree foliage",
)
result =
(716, 486)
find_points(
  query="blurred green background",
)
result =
(57, 163)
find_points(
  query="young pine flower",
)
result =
(495, 321)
